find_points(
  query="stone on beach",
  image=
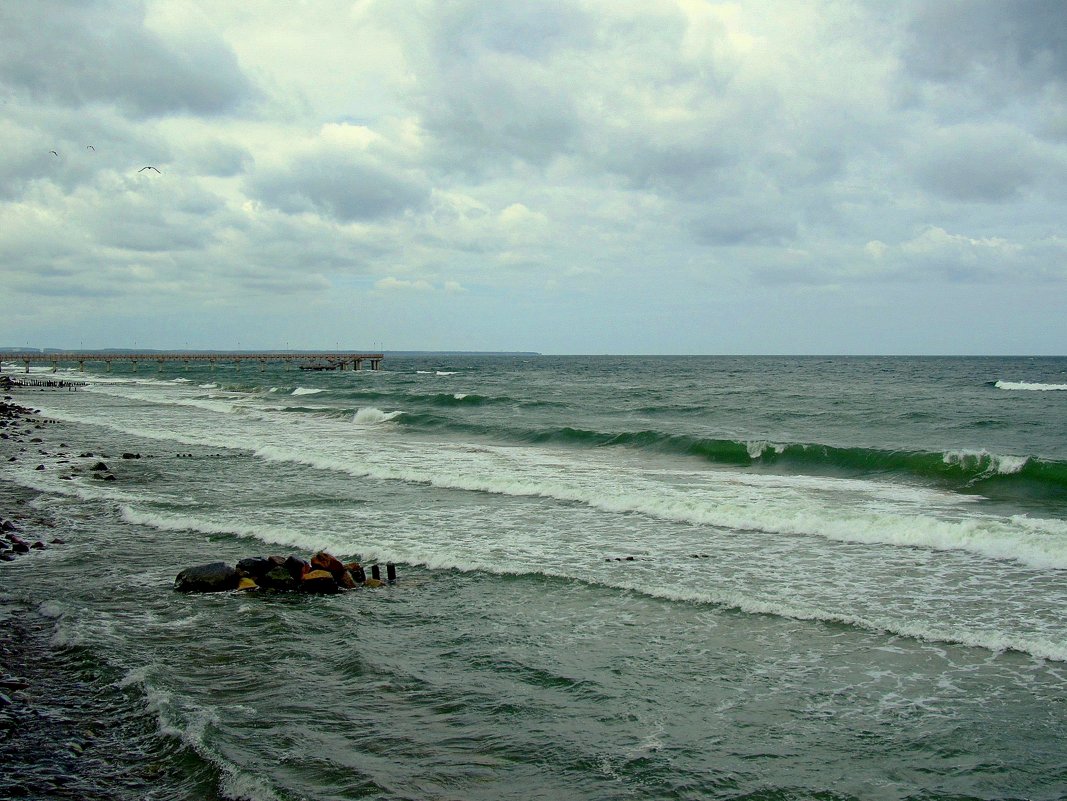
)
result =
(319, 581)
(327, 562)
(297, 567)
(278, 578)
(277, 573)
(212, 577)
(255, 566)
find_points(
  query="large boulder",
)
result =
(212, 577)
(277, 578)
(328, 562)
(319, 581)
(255, 566)
(297, 567)
(357, 572)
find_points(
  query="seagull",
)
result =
(90, 147)
(148, 168)
(54, 153)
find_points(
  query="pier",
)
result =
(306, 361)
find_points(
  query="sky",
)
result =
(567, 177)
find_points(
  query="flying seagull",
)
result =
(54, 153)
(148, 168)
(90, 147)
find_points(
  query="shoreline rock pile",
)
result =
(325, 574)
(13, 546)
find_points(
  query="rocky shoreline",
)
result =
(323, 574)
(51, 744)
(19, 424)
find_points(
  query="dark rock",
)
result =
(345, 580)
(8, 556)
(58, 541)
(108, 477)
(355, 569)
(20, 547)
(277, 578)
(128, 455)
(39, 467)
(7, 525)
(254, 566)
(100, 467)
(213, 577)
(38, 546)
(297, 567)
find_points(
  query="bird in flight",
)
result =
(90, 147)
(54, 153)
(148, 168)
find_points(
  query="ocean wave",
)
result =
(1026, 386)
(306, 391)
(370, 416)
(884, 514)
(961, 470)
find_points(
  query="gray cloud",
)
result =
(81, 53)
(1017, 40)
(660, 157)
(988, 164)
(340, 187)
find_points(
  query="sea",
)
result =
(759, 578)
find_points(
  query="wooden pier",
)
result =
(306, 361)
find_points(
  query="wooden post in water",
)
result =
(390, 572)
(376, 572)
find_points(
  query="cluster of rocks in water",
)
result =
(12, 546)
(323, 574)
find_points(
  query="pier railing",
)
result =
(307, 361)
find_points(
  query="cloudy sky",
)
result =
(573, 176)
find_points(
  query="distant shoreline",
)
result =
(6, 351)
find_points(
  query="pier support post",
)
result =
(376, 572)
(390, 572)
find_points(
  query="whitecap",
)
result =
(371, 416)
(1024, 385)
(306, 391)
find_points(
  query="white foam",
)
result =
(988, 463)
(1026, 386)
(306, 391)
(445, 372)
(845, 510)
(370, 416)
